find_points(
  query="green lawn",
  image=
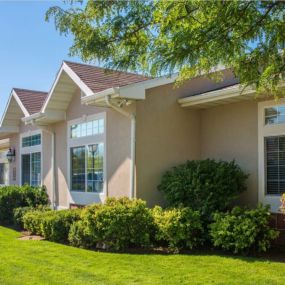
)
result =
(41, 262)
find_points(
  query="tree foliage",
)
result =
(189, 36)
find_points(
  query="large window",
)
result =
(87, 168)
(86, 141)
(31, 169)
(275, 164)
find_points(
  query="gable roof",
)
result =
(32, 100)
(99, 79)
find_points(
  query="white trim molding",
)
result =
(263, 132)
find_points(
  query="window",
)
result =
(275, 115)
(31, 140)
(275, 164)
(87, 168)
(91, 128)
(31, 169)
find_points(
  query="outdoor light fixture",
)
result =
(11, 154)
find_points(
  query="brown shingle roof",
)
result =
(99, 79)
(32, 100)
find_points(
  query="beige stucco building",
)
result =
(98, 134)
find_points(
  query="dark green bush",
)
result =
(177, 228)
(12, 197)
(243, 230)
(80, 236)
(204, 185)
(120, 223)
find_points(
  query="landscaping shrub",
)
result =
(177, 228)
(80, 236)
(18, 213)
(243, 230)
(56, 224)
(52, 225)
(120, 223)
(204, 185)
(12, 197)
(32, 221)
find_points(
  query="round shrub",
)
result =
(204, 185)
(177, 228)
(79, 235)
(243, 230)
(120, 223)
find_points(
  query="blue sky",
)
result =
(31, 50)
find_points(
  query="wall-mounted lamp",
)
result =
(11, 154)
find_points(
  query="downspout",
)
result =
(132, 117)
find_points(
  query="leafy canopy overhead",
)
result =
(192, 37)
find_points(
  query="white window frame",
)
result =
(30, 150)
(266, 131)
(79, 197)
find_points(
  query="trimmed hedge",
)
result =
(242, 230)
(52, 225)
(120, 223)
(12, 197)
(178, 228)
(203, 185)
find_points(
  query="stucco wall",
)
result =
(166, 136)
(231, 132)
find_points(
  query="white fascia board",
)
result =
(74, 77)
(228, 92)
(26, 113)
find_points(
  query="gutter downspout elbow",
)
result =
(132, 117)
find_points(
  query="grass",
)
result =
(42, 262)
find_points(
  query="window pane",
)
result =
(83, 130)
(26, 163)
(89, 128)
(77, 168)
(275, 164)
(74, 131)
(275, 115)
(95, 177)
(271, 111)
(36, 169)
(95, 127)
(101, 126)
